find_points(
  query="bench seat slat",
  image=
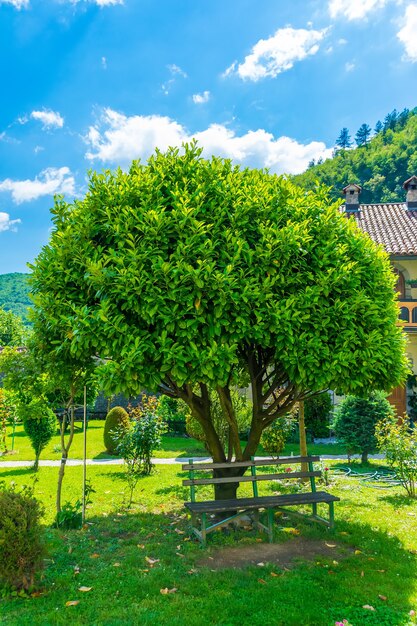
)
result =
(263, 502)
(247, 479)
(257, 463)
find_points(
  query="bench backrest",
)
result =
(254, 478)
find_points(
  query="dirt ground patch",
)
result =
(282, 555)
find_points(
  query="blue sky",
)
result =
(92, 84)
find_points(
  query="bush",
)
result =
(40, 424)
(171, 409)
(355, 421)
(274, 437)
(317, 414)
(243, 410)
(117, 422)
(22, 542)
(399, 442)
(137, 444)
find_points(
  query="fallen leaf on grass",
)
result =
(85, 589)
(179, 532)
(262, 581)
(362, 574)
(274, 575)
(94, 556)
(383, 598)
(291, 531)
(151, 561)
(331, 545)
(116, 564)
(260, 564)
(192, 571)
(141, 546)
(368, 607)
(165, 591)
(358, 551)
(36, 594)
(181, 555)
(72, 603)
(381, 571)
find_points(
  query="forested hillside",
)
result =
(14, 290)
(381, 162)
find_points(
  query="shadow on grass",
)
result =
(15, 472)
(398, 500)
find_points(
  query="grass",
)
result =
(380, 526)
(171, 446)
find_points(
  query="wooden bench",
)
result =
(269, 503)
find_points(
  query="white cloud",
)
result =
(48, 118)
(270, 57)
(201, 98)
(18, 4)
(354, 9)
(407, 35)
(175, 72)
(100, 3)
(119, 139)
(50, 181)
(349, 67)
(7, 224)
(104, 63)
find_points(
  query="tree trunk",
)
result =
(64, 455)
(225, 491)
(364, 457)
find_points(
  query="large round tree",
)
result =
(187, 274)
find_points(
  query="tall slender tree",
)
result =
(344, 140)
(363, 135)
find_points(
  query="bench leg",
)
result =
(331, 514)
(314, 507)
(203, 528)
(270, 525)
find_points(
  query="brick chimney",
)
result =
(352, 198)
(410, 186)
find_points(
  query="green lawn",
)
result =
(171, 446)
(379, 525)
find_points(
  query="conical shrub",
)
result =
(117, 419)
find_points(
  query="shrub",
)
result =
(40, 424)
(355, 421)
(317, 414)
(136, 444)
(22, 542)
(171, 409)
(399, 442)
(274, 437)
(243, 410)
(117, 422)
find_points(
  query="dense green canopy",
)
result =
(187, 272)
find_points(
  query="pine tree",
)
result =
(344, 140)
(378, 127)
(390, 120)
(363, 135)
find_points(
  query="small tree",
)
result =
(363, 135)
(344, 140)
(12, 330)
(40, 425)
(317, 414)
(137, 443)
(399, 442)
(356, 419)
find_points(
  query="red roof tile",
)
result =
(393, 225)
